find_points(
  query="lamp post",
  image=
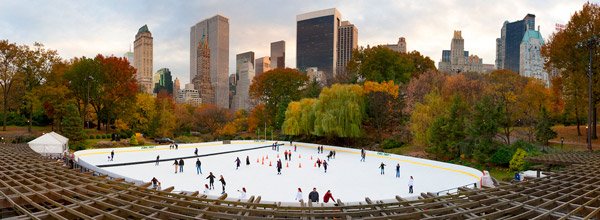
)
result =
(591, 44)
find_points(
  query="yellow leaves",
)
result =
(388, 87)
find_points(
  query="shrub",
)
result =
(390, 143)
(22, 139)
(133, 141)
(502, 156)
(98, 136)
(517, 163)
(92, 136)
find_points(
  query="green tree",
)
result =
(339, 111)
(278, 86)
(85, 79)
(9, 54)
(133, 141)
(482, 129)
(72, 124)
(517, 163)
(424, 114)
(543, 129)
(447, 132)
(300, 117)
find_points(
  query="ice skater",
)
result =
(181, 165)
(237, 163)
(299, 195)
(330, 155)
(382, 167)
(242, 193)
(290, 155)
(279, 166)
(176, 165)
(211, 180)
(333, 154)
(155, 183)
(112, 155)
(206, 189)
(398, 170)
(285, 154)
(157, 160)
(198, 166)
(295, 148)
(222, 180)
(319, 162)
(313, 196)
(325, 165)
(247, 161)
(410, 185)
(196, 152)
(362, 155)
(328, 196)
(176, 146)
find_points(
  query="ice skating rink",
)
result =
(348, 179)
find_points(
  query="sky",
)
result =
(87, 28)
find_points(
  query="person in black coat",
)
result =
(247, 160)
(211, 180)
(196, 152)
(198, 166)
(181, 165)
(313, 196)
(279, 166)
(222, 180)
(325, 165)
(237, 163)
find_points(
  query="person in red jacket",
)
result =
(328, 196)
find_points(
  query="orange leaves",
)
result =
(389, 87)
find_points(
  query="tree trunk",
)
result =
(577, 120)
(594, 119)
(4, 111)
(30, 117)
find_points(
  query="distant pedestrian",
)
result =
(242, 193)
(222, 180)
(198, 166)
(176, 165)
(410, 185)
(325, 165)
(398, 170)
(299, 195)
(285, 154)
(237, 163)
(328, 196)
(181, 165)
(295, 148)
(290, 155)
(382, 167)
(211, 180)
(362, 155)
(196, 152)
(313, 196)
(247, 161)
(277, 145)
(279, 166)
(155, 183)
(112, 155)
(157, 160)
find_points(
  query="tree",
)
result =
(517, 163)
(543, 129)
(276, 88)
(144, 110)
(535, 96)
(482, 128)
(382, 64)
(382, 104)
(420, 86)
(505, 86)
(85, 79)
(447, 132)
(54, 94)
(339, 111)
(300, 117)
(572, 61)
(163, 122)
(9, 53)
(72, 124)
(35, 65)
(424, 115)
(208, 118)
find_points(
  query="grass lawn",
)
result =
(501, 174)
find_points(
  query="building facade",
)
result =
(130, 57)
(457, 60)
(142, 52)
(348, 41)
(240, 59)
(202, 81)
(242, 97)
(188, 95)
(216, 30)
(317, 40)
(164, 82)
(399, 47)
(262, 65)
(531, 63)
(508, 46)
(278, 54)
(176, 85)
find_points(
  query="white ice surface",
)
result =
(348, 179)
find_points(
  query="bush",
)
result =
(91, 136)
(22, 139)
(133, 141)
(98, 136)
(502, 156)
(517, 163)
(390, 143)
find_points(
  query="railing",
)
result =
(455, 189)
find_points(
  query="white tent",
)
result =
(50, 144)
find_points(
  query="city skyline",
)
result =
(72, 28)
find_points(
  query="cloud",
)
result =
(86, 28)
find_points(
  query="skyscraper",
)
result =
(348, 41)
(241, 59)
(457, 60)
(278, 54)
(202, 81)
(216, 30)
(241, 97)
(129, 56)
(531, 63)
(176, 85)
(509, 43)
(165, 81)
(262, 65)
(457, 51)
(142, 51)
(317, 40)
